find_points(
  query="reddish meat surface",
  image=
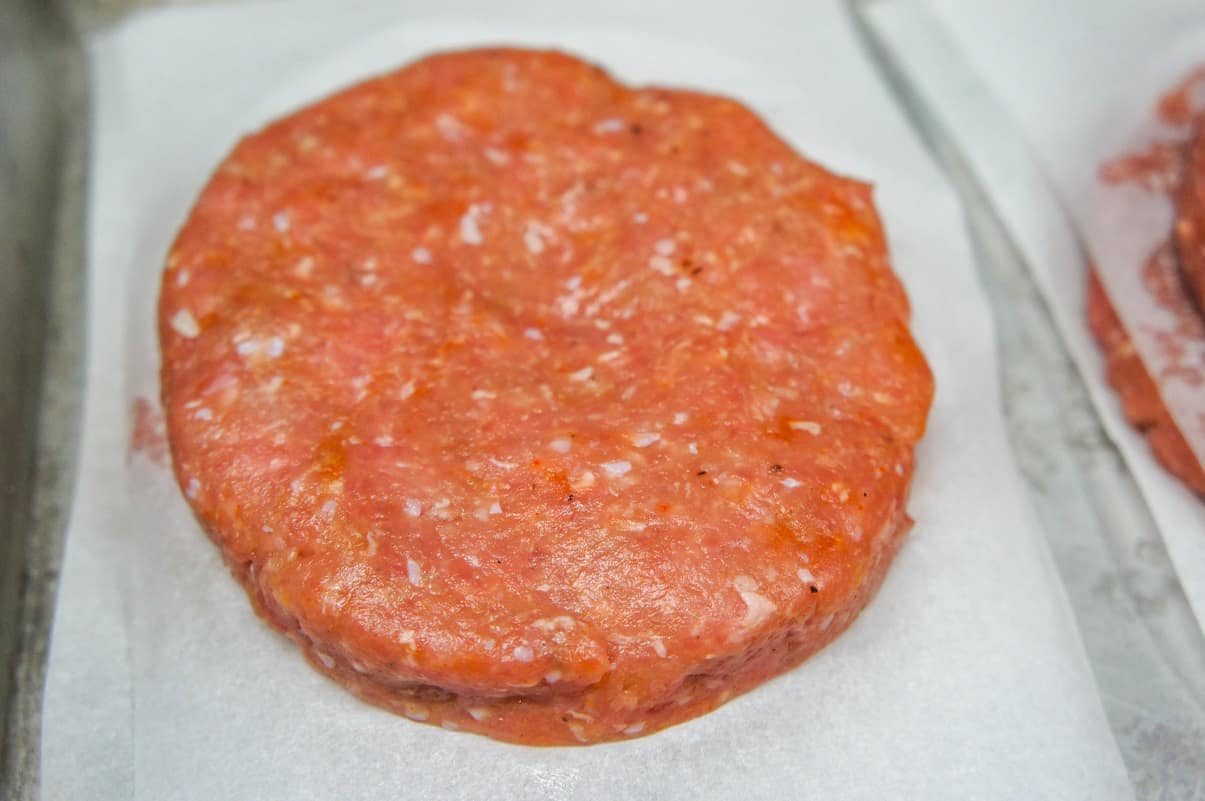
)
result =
(1190, 218)
(1139, 395)
(533, 405)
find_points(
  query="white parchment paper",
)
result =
(964, 679)
(1037, 95)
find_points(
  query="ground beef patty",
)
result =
(537, 406)
(1190, 218)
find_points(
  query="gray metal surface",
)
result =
(41, 108)
(1146, 650)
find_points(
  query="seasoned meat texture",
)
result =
(1190, 218)
(1139, 394)
(537, 406)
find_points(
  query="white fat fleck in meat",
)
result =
(503, 464)
(607, 126)
(568, 305)
(680, 195)
(478, 713)
(470, 230)
(640, 218)
(304, 268)
(682, 284)
(680, 418)
(383, 441)
(805, 575)
(450, 128)
(276, 346)
(247, 347)
(736, 168)
(615, 339)
(483, 394)
(481, 513)
(757, 608)
(328, 509)
(182, 278)
(552, 676)
(246, 223)
(523, 653)
(560, 445)
(791, 483)
(367, 280)
(664, 247)
(584, 374)
(558, 623)
(661, 264)
(421, 255)
(727, 320)
(532, 239)
(184, 324)
(659, 647)
(415, 711)
(194, 488)
(805, 425)
(499, 158)
(204, 414)
(633, 525)
(495, 508)
(534, 334)
(377, 172)
(693, 448)
(628, 393)
(643, 439)
(582, 480)
(617, 468)
(407, 390)
(610, 356)
(327, 660)
(414, 507)
(704, 320)
(414, 572)
(281, 222)
(635, 728)
(744, 583)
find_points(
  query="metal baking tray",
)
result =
(1144, 644)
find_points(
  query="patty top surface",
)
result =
(500, 376)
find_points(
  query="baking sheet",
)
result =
(965, 678)
(1083, 62)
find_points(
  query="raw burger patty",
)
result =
(1190, 219)
(537, 406)
(1139, 394)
